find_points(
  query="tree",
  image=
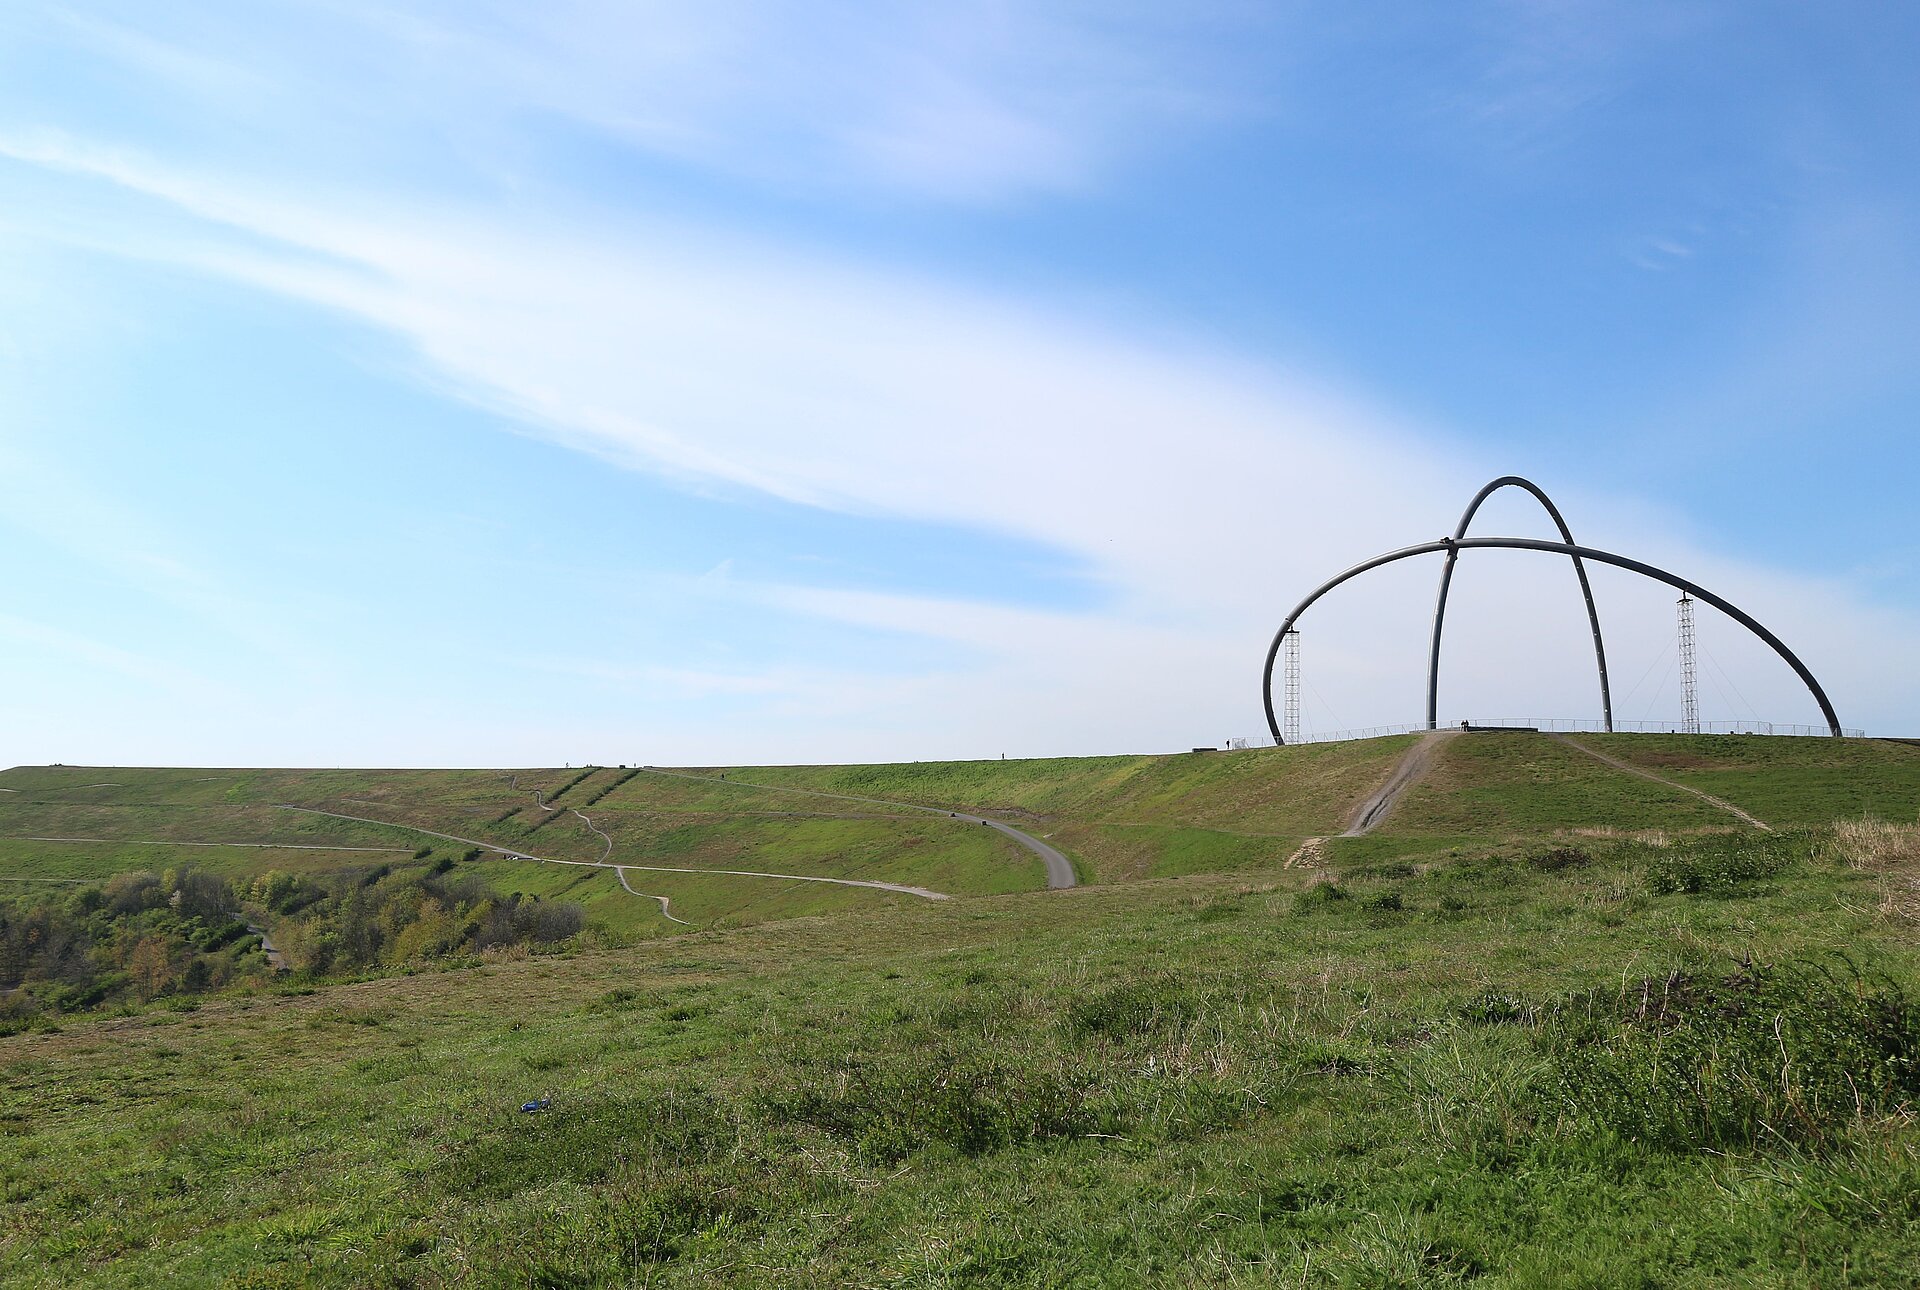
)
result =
(151, 966)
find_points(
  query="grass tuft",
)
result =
(1796, 1053)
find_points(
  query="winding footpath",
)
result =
(666, 907)
(1060, 873)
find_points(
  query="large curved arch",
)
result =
(1658, 574)
(1446, 582)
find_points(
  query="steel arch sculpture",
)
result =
(1446, 583)
(1454, 545)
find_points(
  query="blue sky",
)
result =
(482, 383)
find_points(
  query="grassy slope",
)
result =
(146, 805)
(1291, 1095)
(1123, 818)
(1120, 817)
(1785, 781)
(1510, 784)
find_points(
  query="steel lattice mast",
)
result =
(1293, 686)
(1689, 677)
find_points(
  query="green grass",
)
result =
(816, 839)
(1500, 1042)
(1501, 784)
(1191, 1081)
(1785, 781)
(1296, 790)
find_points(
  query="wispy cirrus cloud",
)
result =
(984, 105)
(1192, 487)
(411, 167)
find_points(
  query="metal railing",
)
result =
(1559, 725)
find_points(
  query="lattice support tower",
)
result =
(1689, 676)
(1293, 687)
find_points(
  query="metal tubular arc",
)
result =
(1446, 582)
(1658, 574)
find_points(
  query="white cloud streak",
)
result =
(1202, 492)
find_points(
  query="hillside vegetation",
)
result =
(1551, 1024)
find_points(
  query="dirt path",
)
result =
(1632, 769)
(666, 906)
(514, 854)
(1060, 873)
(620, 871)
(923, 892)
(1309, 855)
(1412, 768)
(604, 835)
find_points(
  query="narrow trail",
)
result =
(666, 907)
(604, 835)
(1412, 768)
(275, 959)
(1632, 769)
(924, 893)
(539, 795)
(1060, 873)
(540, 800)
(514, 854)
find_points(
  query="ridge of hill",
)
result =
(1120, 819)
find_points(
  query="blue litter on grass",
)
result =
(538, 1104)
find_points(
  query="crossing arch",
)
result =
(1453, 546)
(1446, 582)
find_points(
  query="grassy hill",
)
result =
(1551, 1025)
(1118, 817)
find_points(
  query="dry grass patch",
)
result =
(1891, 851)
(1645, 837)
